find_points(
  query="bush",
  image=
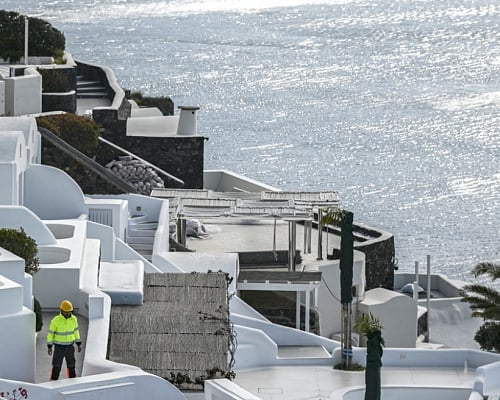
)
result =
(38, 314)
(488, 336)
(80, 132)
(164, 104)
(44, 39)
(22, 245)
(54, 81)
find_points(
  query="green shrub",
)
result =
(44, 39)
(80, 132)
(38, 315)
(164, 104)
(54, 81)
(22, 245)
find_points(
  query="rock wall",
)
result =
(182, 157)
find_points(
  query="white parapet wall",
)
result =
(2, 97)
(17, 334)
(23, 94)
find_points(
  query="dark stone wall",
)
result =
(379, 267)
(179, 156)
(59, 102)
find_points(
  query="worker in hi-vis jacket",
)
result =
(63, 334)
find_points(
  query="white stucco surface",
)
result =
(123, 281)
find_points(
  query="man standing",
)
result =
(63, 334)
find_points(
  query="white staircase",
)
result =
(140, 235)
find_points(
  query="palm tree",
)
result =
(485, 303)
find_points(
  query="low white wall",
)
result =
(106, 236)
(407, 393)
(239, 307)
(23, 94)
(224, 389)
(15, 217)
(17, 334)
(125, 252)
(2, 97)
(486, 381)
(255, 348)
(450, 358)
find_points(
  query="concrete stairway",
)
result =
(87, 89)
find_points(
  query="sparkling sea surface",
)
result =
(393, 103)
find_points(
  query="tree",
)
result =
(44, 39)
(484, 302)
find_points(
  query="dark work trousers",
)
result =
(61, 353)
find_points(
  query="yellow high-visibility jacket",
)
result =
(63, 331)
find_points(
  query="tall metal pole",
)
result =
(415, 283)
(320, 234)
(428, 296)
(26, 23)
(292, 244)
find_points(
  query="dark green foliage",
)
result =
(44, 39)
(484, 302)
(54, 81)
(164, 104)
(38, 314)
(22, 245)
(80, 132)
(488, 336)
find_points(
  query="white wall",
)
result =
(32, 139)
(23, 94)
(12, 163)
(329, 306)
(397, 313)
(52, 194)
(16, 217)
(2, 97)
(17, 334)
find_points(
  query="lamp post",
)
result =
(26, 25)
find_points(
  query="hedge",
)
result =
(44, 39)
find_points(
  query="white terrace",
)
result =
(84, 256)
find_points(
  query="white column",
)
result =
(297, 311)
(308, 305)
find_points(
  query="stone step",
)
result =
(303, 352)
(133, 240)
(91, 89)
(80, 83)
(92, 95)
(142, 225)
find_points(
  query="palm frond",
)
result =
(483, 301)
(488, 268)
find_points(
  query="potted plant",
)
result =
(371, 327)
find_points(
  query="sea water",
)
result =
(395, 104)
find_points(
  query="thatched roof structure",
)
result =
(180, 333)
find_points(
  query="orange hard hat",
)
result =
(66, 306)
